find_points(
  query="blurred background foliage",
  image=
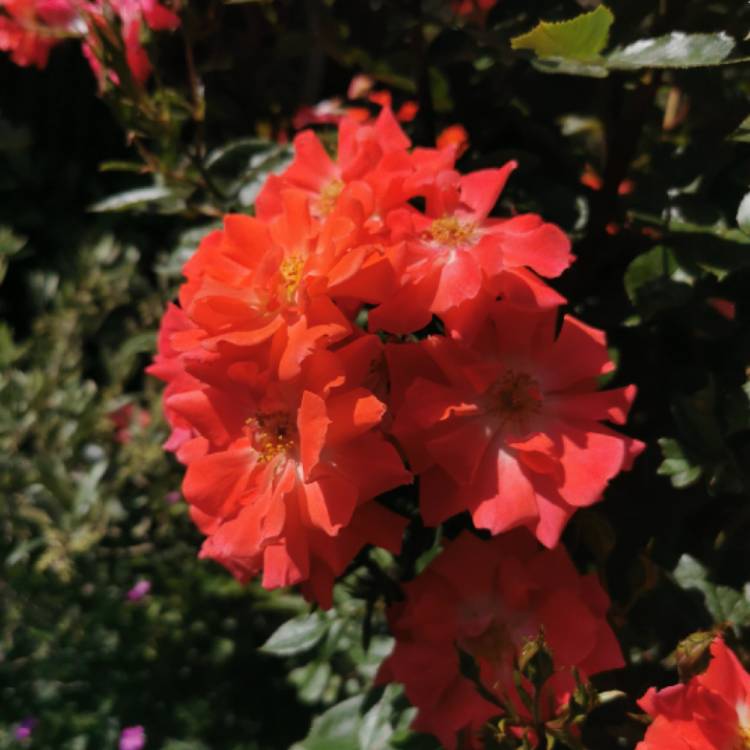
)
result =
(102, 199)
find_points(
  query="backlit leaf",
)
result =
(581, 38)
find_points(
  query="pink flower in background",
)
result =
(132, 738)
(25, 728)
(139, 590)
(125, 417)
(172, 497)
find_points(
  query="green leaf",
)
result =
(376, 730)
(311, 680)
(654, 281)
(724, 603)
(336, 729)
(10, 242)
(581, 38)
(675, 50)
(122, 166)
(242, 148)
(742, 134)
(571, 67)
(743, 215)
(121, 362)
(575, 47)
(297, 635)
(680, 469)
(138, 199)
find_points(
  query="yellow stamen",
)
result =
(451, 232)
(291, 272)
(743, 739)
(329, 195)
(272, 433)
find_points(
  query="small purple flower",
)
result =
(172, 497)
(132, 738)
(25, 728)
(139, 590)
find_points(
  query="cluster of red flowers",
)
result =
(372, 323)
(29, 29)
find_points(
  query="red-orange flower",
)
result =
(361, 148)
(488, 598)
(169, 367)
(457, 260)
(279, 472)
(509, 428)
(711, 712)
(455, 136)
(278, 279)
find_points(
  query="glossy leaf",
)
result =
(675, 50)
(297, 635)
(743, 215)
(336, 729)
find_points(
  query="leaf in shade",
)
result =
(743, 214)
(140, 199)
(336, 729)
(654, 281)
(677, 465)
(726, 605)
(297, 635)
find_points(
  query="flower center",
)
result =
(273, 434)
(494, 644)
(515, 398)
(291, 273)
(451, 232)
(329, 195)
(743, 738)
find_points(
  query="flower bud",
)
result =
(692, 654)
(535, 660)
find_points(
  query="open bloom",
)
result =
(488, 599)
(509, 428)
(281, 473)
(362, 147)
(293, 277)
(711, 712)
(457, 260)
